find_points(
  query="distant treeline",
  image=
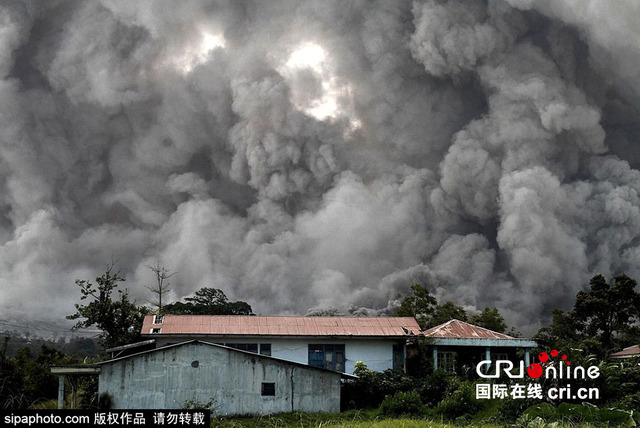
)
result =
(77, 347)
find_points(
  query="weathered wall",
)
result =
(376, 353)
(167, 378)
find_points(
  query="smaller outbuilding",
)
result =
(457, 343)
(236, 382)
(629, 352)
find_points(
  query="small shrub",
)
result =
(194, 403)
(403, 403)
(371, 387)
(435, 387)
(105, 401)
(461, 402)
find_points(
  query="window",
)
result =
(249, 347)
(327, 356)
(265, 349)
(447, 361)
(398, 357)
(156, 330)
(157, 319)
(268, 389)
(256, 348)
(496, 357)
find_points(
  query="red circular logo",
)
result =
(534, 370)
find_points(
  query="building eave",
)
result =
(274, 336)
(492, 342)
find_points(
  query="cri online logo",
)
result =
(561, 370)
(535, 370)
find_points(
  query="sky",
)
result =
(305, 155)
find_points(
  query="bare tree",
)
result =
(162, 284)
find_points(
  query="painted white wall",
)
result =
(377, 354)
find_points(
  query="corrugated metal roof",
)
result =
(461, 330)
(237, 325)
(631, 351)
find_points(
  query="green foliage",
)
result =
(208, 301)
(425, 308)
(490, 318)
(461, 402)
(105, 401)
(419, 361)
(349, 419)
(446, 312)
(607, 309)
(574, 413)
(435, 387)
(370, 389)
(420, 306)
(510, 409)
(602, 320)
(194, 403)
(78, 347)
(120, 320)
(403, 403)
(25, 380)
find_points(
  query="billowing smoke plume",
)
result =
(319, 154)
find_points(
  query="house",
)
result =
(629, 352)
(456, 344)
(334, 343)
(236, 382)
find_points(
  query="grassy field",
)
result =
(355, 419)
(373, 419)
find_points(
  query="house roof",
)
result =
(237, 325)
(215, 345)
(631, 351)
(461, 330)
(460, 333)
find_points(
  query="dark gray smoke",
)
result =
(320, 154)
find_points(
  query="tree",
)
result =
(120, 320)
(420, 306)
(162, 285)
(446, 312)
(490, 318)
(607, 310)
(209, 301)
(425, 309)
(563, 332)
(602, 319)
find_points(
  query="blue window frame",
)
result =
(398, 357)
(327, 356)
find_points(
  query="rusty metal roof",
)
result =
(455, 329)
(237, 325)
(631, 351)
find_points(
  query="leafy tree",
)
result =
(603, 318)
(119, 319)
(420, 305)
(11, 383)
(208, 301)
(446, 312)
(425, 309)
(490, 318)
(563, 332)
(607, 309)
(24, 380)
